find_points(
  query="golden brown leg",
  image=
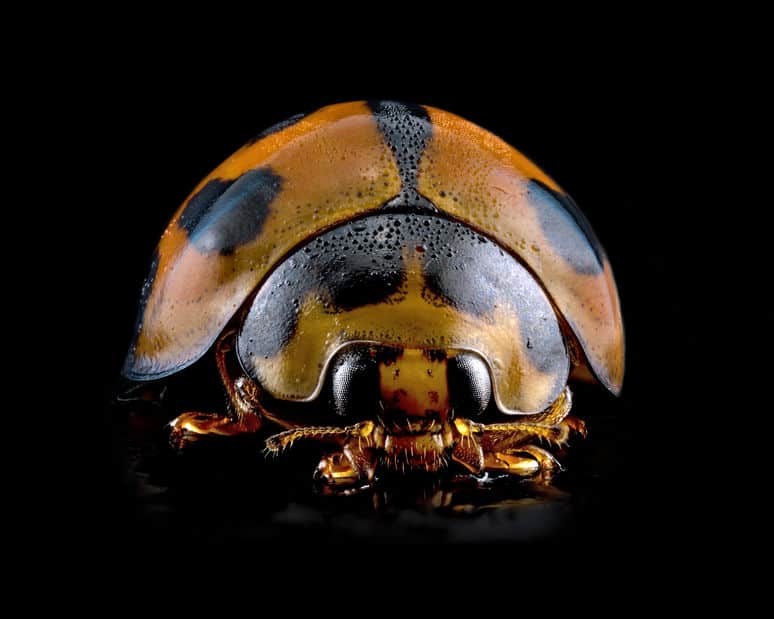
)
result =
(576, 425)
(362, 431)
(337, 470)
(189, 427)
(507, 447)
(556, 413)
(502, 448)
(526, 461)
(353, 463)
(524, 466)
(244, 418)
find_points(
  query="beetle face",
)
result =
(414, 392)
(405, 392)
(411, 395)
(408, 389)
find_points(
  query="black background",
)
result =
(597, 129)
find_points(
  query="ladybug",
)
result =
(391, 282)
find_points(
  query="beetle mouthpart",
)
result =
(399, 423)
(424, 452)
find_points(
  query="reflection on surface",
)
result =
(224, 490)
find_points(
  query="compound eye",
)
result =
(470, 387)
(355, 384)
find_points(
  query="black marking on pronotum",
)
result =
(355, 287)
(566, 228)
(407, 130)
(237, 215)
(387, 354)
(351, 266)
(434, 355)
(276, 128)
(269, 325)
(200, 203)
(473, 275)
(361, 263)
(128, 369)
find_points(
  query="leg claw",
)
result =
(191, 427)
(576, 425)
(336, 470)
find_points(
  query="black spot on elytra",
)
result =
(276, 128)
(566, 228)
(200, 203)
(407, 130)
(226, 214)
(148, 284)
(128, 369)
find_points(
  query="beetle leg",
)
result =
(525, 461)
(337, 469)
(244, 417)
(500, 462)
(467, 449)
(502, 436)
(507, 446)
(355, 461)
(557, 412)
(576, 425)
(189, 427)
(326, 434)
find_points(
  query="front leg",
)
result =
(525, 461)
(189, 427)
(244, 418)
(354, 465)
(510, 447)
(353, 462)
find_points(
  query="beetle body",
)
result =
(385, 275)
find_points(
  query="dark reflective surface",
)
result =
(223, 490)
